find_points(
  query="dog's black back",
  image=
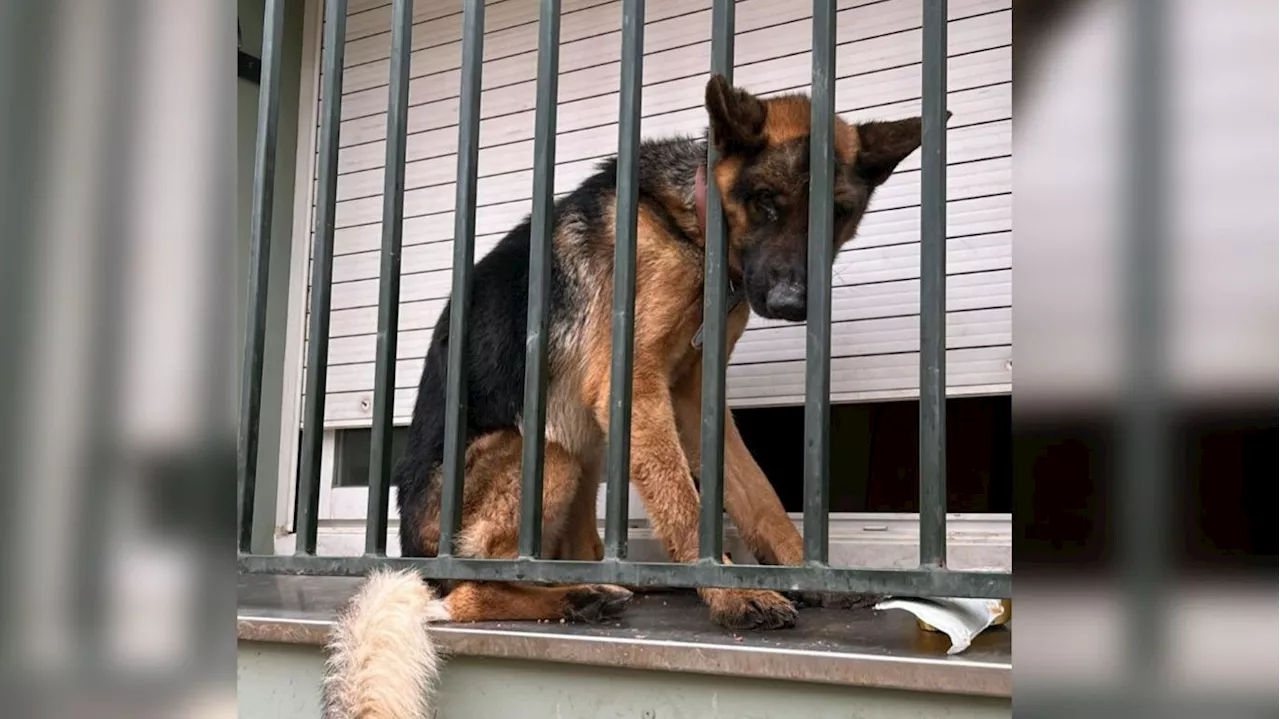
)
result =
(494, 366)
(495, 359)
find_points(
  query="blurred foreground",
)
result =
(1145, 334)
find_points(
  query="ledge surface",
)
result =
(671, 631)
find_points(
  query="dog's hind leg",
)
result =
(580, 538)
(491, 530)
(491, 512)
(500, 601)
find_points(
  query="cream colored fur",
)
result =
(382, 662)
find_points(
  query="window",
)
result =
(875, 454)
(351, 466)
(344, 476)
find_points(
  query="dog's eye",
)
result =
(766, 202)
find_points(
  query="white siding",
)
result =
(875, 306)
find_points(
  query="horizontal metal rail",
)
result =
(913, 582)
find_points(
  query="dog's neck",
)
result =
(736, 294)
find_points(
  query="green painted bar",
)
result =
(541, 228)
(624, 281)
(384, 381)
(817, 386)
(714, 301)
(335, 24)
(464, 245)
(933, 289)
(261, 215)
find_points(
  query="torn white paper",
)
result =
(960, 619)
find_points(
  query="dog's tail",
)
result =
(382, 663)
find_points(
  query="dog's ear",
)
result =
(737, 117)
(882, 145)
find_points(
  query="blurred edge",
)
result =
(117, 141)
(1145, 350)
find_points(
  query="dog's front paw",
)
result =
(750, 609)
(595, 602)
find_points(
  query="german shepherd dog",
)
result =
(381, 659)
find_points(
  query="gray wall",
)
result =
(278, 680)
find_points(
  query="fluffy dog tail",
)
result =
(382, 663)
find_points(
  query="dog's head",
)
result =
(763, 178)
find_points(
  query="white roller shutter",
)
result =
(875, 305)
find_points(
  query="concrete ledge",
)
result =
(671, 632)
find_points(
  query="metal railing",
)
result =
(930, 578)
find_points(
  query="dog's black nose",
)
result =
(787, 301)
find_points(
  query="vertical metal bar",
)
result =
(335, 31)
(817, 386)
(384, 380)
(933, 290)
(543, 224)
(1145, 440)
(624, 280)
(264, 180)
(464, 239)
(714, 299)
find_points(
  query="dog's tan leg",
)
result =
(763, 522)
(748, 497)
(491, 512)
(489, 459)
(665, 292)
(754, 505)
(491, 530)
(500, 601)
(581, 536)
(660, 473)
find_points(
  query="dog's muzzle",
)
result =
(787, 301)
